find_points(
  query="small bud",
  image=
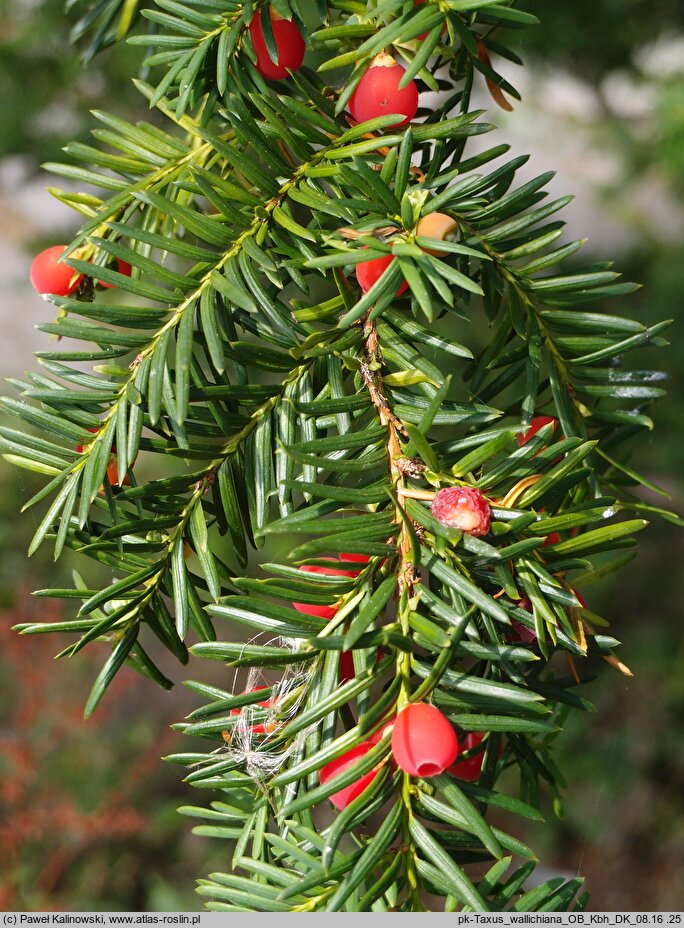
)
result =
(464, 508)
(343, 797)
(423, 742)
(436, 225)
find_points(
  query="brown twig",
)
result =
(373, 382)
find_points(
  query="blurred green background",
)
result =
(87, 811)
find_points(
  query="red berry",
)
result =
(347, 671)
(323, 612)
(346, 667)
(79, 448)
(581, 599)
(471, 767)
(551, 539)
(50, 275)
(379, 734)
(520, 632)
(112, 467)
(113, 473)
(464, 508)
(423, 742)
(378, 93)
(357, 558)
(289, 42)
(537, 423)
(264, 727)
(424, 35)
(348, 794)
(123, 267)
(369, 272)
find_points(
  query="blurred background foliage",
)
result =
(87, 812)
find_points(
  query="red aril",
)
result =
(289, 42)
(554, 538)
(263, 727)
(378, 93)
(80, 448)
(519, 632)
(113, 473)
(348, 794)
(323, 612)
(50, 275)
(380, 733)
(123, 267)
(537, 423)
(112, 467)
(346, 666)
(370, 272)
(470, 768)
(424, 743)
(463, 508)
(357, 558)
(347, 670)
(424, 35)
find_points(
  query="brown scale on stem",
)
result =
(406, 578)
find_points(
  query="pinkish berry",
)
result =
(464, 508)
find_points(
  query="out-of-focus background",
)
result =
(87, 810)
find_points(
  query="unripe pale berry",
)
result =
(470, 768)
(289, 42)
(369, 272)
(436, 225)
(323, 612)
(50, 275)
(424, 743)
(378, 93)
(343, 797)
(464, 508)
